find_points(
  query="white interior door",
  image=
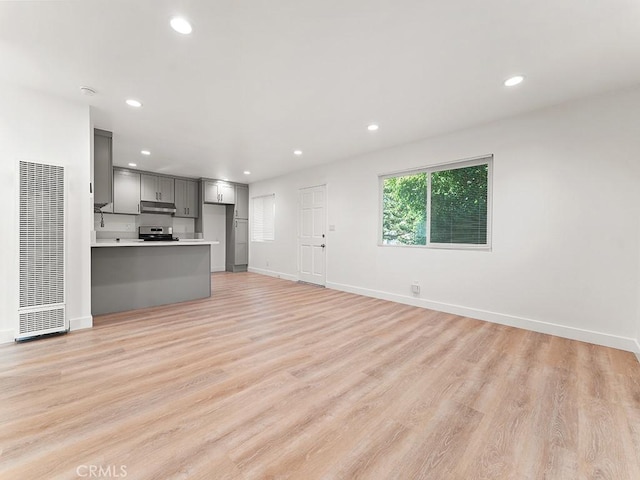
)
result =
(312, 239)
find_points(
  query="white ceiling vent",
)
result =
(41, 219)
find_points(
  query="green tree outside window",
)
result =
(458, 207)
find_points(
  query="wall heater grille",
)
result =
(41, 245)
(41, 320)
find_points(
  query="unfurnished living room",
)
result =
(320, 239)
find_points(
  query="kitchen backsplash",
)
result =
(126, 226)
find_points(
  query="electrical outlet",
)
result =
(415, 288)
(267, 263)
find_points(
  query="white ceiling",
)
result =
(258, 79)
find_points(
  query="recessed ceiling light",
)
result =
(297, 152)
(88, 91)
(145, 152)
(181, 25)
(133, 164)
(373, 127)
(134, 103)
(247, 172)
(513, 81)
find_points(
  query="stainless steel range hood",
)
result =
(157, 207)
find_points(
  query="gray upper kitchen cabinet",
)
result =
(186, 197)
(242, 201)
(219, 192)
(102, 167)
(149, 188)
(155, 188)
(166, 187)
(192, 199)
(126, 191)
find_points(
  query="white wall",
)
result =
(40, 128)
(215, 227)
(637, 346)
(117, 225)
(566, 224)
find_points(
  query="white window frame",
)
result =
(470, 162)
(253, 216)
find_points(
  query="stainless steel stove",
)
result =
(156, 234)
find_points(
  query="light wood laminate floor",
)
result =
(273, 379)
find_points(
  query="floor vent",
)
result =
(41, 222)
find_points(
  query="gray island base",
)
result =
(130, 277)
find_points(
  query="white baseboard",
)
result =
(218, 269)
(80, 323)
(7, 336)
(598, 338)
(638, 349)
(271, 273)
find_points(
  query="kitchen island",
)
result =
(130, 274)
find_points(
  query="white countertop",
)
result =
(134, 242)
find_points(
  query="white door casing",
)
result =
(311, 235)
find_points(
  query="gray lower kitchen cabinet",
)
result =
(242, 201)
(102, 167)
(129, 277)
(156, 188)
(237, 244)
(186, 198)
(219, 192)
(126, 192)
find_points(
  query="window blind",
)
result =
(263, 218)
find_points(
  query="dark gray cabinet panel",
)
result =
(102, 167)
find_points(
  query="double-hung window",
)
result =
(441, 206)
